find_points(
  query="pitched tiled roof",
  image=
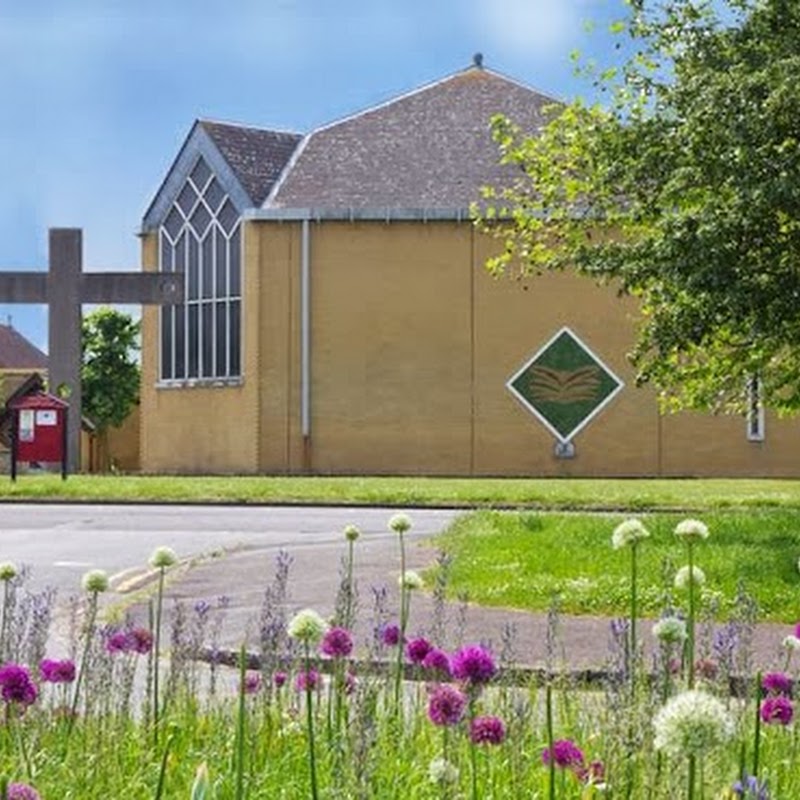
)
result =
(256, 156)
(16, 352)
(430, 148)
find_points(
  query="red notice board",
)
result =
(40, 426)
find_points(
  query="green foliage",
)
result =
(523, 560)
(682, 190)
(110, 373)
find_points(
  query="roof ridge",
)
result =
(287, 168)
(426, 87)
(245, 126)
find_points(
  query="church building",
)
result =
(338, 318)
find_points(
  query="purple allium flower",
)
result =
(140, 640)
(437, 661)
(390, 635)
(118, 642)
(474, 664)
(487, 730)
(446, 705)
(17, 686)
(566, 754)
(21, 791)
(337, 643)
(797, 630)
(279, 678)
(57, 671)
(252, 682)
(307, 680)
(417, 649)
(777, 709)
(777, 683)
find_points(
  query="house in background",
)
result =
(338, 318)
(23, 371)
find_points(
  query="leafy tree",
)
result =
(110, 374)
(683, 189)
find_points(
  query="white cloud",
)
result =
(534, 28)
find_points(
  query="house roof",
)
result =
(16, 352)
(430, 148)
(256, 156)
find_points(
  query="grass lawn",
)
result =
(607, 494)
(521, 560)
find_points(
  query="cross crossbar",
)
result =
(65, 287)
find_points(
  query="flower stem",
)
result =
(240, 725)
(403, 624)
(3, 621)
(312, 763)
(73, 711)
(690, 625)
(633, 643)
(551, 762)
(473, 756)
(690, 786)
(162, 773)
(156, 651)
(757, 734)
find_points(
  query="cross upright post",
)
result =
(65, 287)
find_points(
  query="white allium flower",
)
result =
(400, 523)
(441, 770)
(307, 626)
(163, 557)
(682, 579)
(410, 580)
(671, 630)
(351, 533)
(95, 580)
(628, 533)
(691, 529)
(791, 642)
(691, 724)
(8, 571)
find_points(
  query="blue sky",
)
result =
(96, 96)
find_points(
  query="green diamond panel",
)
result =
(565, 384)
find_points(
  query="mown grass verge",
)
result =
(524, 560)
(552, 493)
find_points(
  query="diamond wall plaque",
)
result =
(564, 385)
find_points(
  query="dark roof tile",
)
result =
(256, 156)
(16, 352)
(430, 148)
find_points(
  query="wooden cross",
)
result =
(65, 287)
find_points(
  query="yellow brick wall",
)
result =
(412, 345)
(199, 429)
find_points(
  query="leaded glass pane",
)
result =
(174, 223)
(234, 281)
(207, 328)
(193, 275)
(228, 216)
(167, 316)
(234, 365)
(207, 272)
(180, 341)
(214, 195)
(187, 198)
(200, 174)
(193, 341)
(222, 264)
(200, 220)
(221, 336)
(180, 254)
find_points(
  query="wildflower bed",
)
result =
(112, 717)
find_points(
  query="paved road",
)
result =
(62, 542)
(231, 550)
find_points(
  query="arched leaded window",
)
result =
(201, 237)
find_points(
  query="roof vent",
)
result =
(477, 60)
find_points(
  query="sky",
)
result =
(97, 96)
